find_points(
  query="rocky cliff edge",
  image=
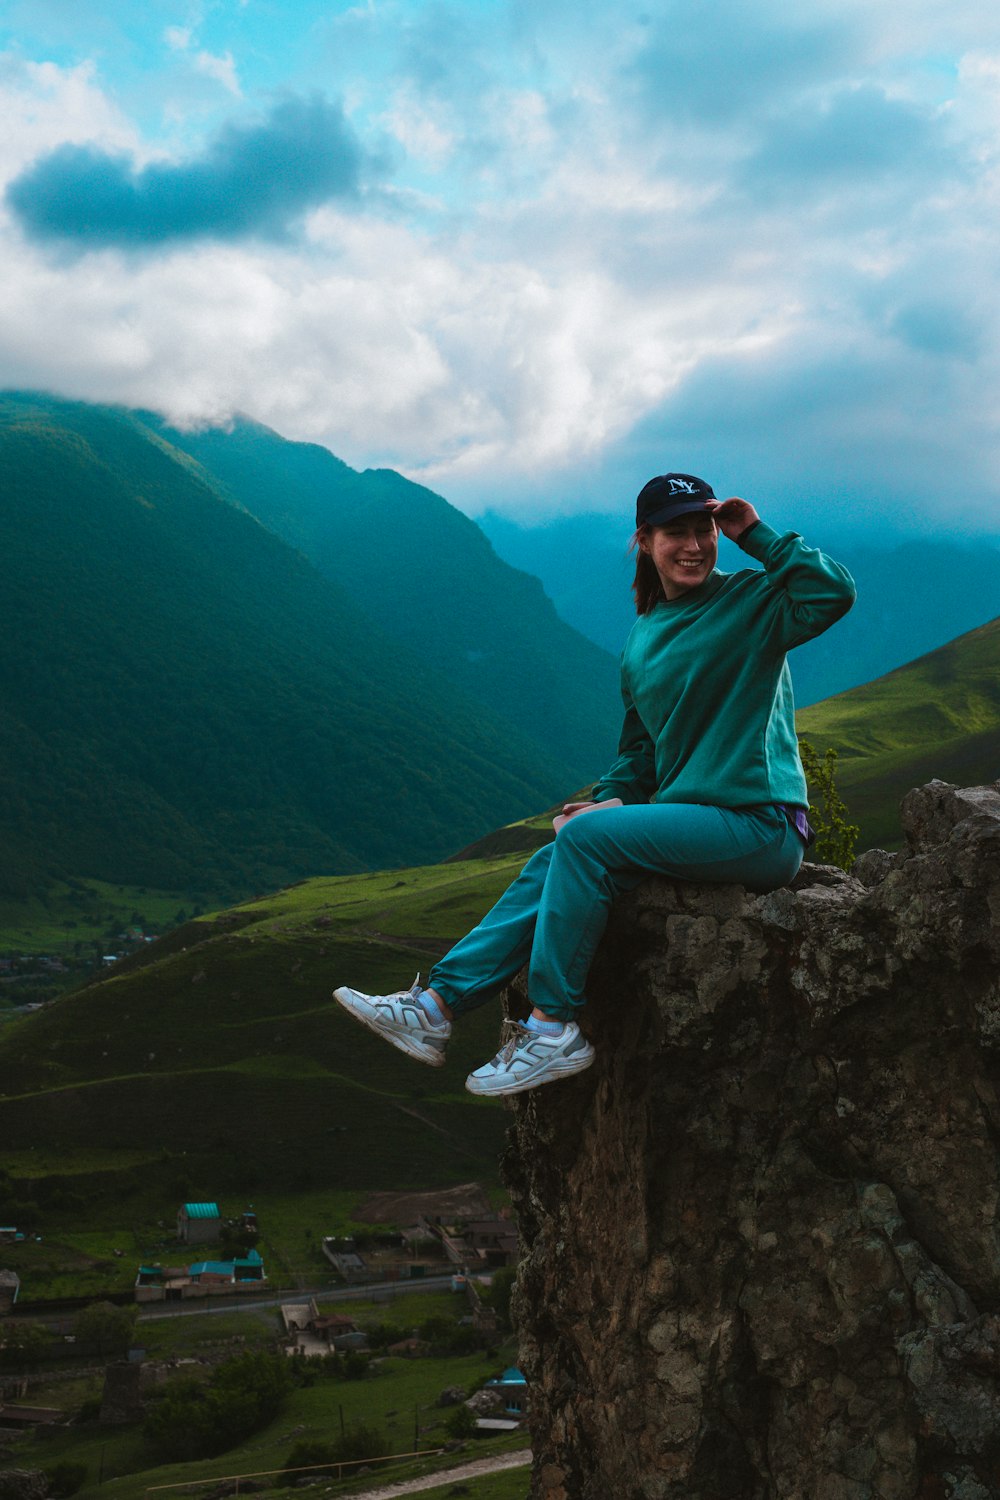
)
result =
(762, 1244)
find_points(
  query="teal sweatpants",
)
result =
(553, 915)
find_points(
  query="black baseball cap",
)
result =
(668, 496)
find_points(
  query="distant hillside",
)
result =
(939, 716)
(187, 703)
(218, 1053)
(427, 576)
(912, 596)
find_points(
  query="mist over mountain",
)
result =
(913, 596)
(189, 703)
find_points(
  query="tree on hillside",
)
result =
(106, 1328)
(197, 1419)
(835, 837)
(23, 1345)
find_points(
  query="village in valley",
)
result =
(30, 980)
(413, 1308)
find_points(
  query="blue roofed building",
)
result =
(205, 1278)
(243, 1268)
(513, 1387)
(199, 1223)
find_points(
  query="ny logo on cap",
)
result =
(682, 487)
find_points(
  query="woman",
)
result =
(707, 786)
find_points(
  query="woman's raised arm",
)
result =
(813, 590)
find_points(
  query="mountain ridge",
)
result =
(426, 573)
(183, 687)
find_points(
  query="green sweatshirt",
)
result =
(709, 712)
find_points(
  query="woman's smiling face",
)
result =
(683, 551)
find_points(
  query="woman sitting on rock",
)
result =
(708, 784)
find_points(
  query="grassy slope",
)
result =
(84, 912)
(218, 1059)
(938, 716)
(386, 1401)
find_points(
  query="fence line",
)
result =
(341, 1464)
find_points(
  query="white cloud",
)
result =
(222, 69)
(421, 131)
(43, 106)
(393, 350)
(562, 273)
(178, 38)
(219, 66)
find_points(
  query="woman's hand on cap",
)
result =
(733, 516)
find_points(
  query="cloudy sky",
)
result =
(529, 251)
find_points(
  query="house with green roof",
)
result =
(512, 1386)
(205, 1278)
(199, 1223)
(243, 1268)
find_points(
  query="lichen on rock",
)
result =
(762, 1232)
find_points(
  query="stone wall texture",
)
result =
(23, 1484)
(762, 1242)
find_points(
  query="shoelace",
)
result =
(409, 994)
(512, 1036)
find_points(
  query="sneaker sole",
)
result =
(402, 1043)
(552, 1075)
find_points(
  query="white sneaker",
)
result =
(401, 1019)
(529, 1058)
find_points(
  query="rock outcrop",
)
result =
(23, 1484)
(762, 1238)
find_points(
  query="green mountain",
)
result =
(189, 704)
(427, 575)
(938, 716)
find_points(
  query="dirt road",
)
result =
(474, 1470)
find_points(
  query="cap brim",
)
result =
(671, 512)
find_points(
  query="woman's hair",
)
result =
(647, 590)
